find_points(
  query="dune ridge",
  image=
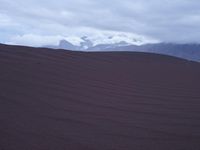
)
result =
(66, 100)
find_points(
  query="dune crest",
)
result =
(65, 100)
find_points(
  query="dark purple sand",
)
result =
(63, 100)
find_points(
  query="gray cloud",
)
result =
(166, 20)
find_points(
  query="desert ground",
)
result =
(67, 100)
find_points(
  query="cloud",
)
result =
(34, 40)
(46, 21)
(98, 37)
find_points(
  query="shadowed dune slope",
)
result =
(64, 100)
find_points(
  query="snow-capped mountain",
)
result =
(87, 45)
(186, 51)
(98, 42)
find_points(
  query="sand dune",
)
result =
(64, 100)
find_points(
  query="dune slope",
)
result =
(64, 100)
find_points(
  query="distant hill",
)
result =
(186, 51)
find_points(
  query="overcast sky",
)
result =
(42, 22)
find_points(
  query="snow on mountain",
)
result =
(105, 40)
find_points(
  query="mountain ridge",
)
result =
(186, 51)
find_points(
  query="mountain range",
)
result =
(86, 44)
(186, 51)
